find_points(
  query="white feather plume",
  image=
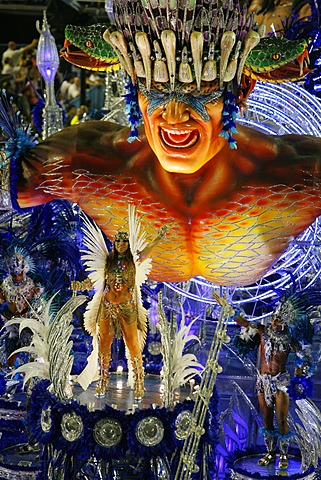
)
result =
(50, 345)
(95, 255)
(178, 367)
(90, 372)
(138, 242)
(94, 259)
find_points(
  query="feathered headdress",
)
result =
(18, 261)
(295, 308)
(290, 309)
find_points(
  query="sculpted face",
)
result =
(183, 131)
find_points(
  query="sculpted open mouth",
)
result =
(78, 57)
(179, 138)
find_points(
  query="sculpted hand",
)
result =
(162, 231)
(220, 300)
(76, 285)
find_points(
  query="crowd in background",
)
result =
(45, 2)
(22, 81)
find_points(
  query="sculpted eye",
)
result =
(276, 56)
(89, 43)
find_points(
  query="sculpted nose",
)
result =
(175, 112)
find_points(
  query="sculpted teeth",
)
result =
(176, 132)
(191, 137)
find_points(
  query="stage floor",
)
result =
(121, 397)
(18, 465)
(250, 465)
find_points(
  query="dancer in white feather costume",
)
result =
(116, 307)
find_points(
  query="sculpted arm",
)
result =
(300, 150)
(52, 168)
(148, 250)
(268, 157)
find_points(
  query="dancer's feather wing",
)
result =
(94, 258)
(95, 255)
(138, 242)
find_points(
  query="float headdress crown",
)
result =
(178, 42)
(182, 40)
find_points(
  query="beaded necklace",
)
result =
(17, 293)
(119, 272)
(275, 341)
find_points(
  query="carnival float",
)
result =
(147, 257)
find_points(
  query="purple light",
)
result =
(47, 53)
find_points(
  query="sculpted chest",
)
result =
(231, 243)
(230, 240)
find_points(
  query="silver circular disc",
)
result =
(107, 432)
(71, 426)
(150, 431)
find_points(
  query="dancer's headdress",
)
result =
(121, 236)
(18, 261)
(294, 307)
(288, 310)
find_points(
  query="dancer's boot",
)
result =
(270, 443)
(138, 369)
(102, 384)
(284, 442)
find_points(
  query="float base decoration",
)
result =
(79, 442)
(15, 463)
(19, 466)
(244, 466)
(81, 436)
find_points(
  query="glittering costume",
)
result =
(15, 298)
(275, 341)
(273, 381)
(116, 313)
(116, 307)
(18, 293)
(268, 385)
(15, 302)
(115, 319)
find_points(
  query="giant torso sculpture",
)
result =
(229, 221)
(231, 212)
